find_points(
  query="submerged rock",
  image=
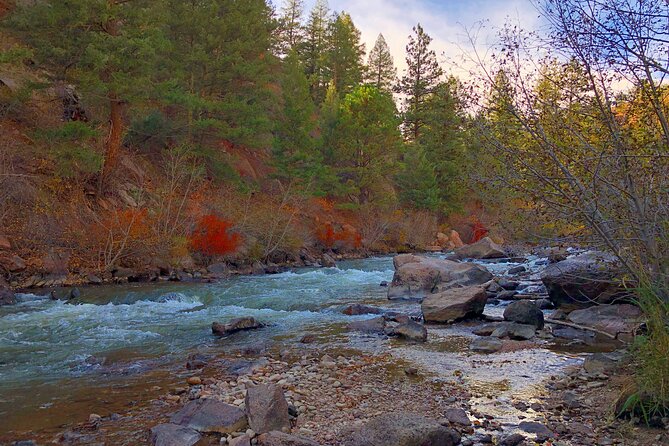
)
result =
(358, 309)
(454, 304)
(612, 319)
(524, 312)
(235, 325)
(583, 280)
(276, 438)
(483, 249)
(266, 408)
(403, 429)
(417, 277)
(174, 435)
(208, 415)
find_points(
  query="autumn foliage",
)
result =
(212, 236)
(329, 236)
(478, 231)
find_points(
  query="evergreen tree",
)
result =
(366, 143)
(441, 141)
(417, 181)
(313, 49)
(291, 32)
(219, 67)
(295, 154)
(344, 55)
(381, 71)
(419, 81)
(106, 48)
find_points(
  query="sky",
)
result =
(446, 21)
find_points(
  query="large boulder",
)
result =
(454, 304)
(174, 435)
(613, 319)
(266, 408)
(483, 249)
(524, 312)
(12, 263)
(417, 277)
(235, 325)
(276, 438)
(583, 280)
(209, 415)
(403, 429)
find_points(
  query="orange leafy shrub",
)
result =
(346, 236)
(478, 231)
(212, 236)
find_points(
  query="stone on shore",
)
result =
(485, 345)
(454, 304)
(524, 312)
(613, 319)
(7, 296)
(583, 280)
(209, 415)
(277, 438)
(457, 416)
(483, 249)
(514, 330)
(235, 325)
(417, 277)
(266, 408)
(374, 325)
(174, 435)
(412, 331)
(403, 429)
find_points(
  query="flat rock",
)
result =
(403, 429)
(208, 415)
(235, 325)
(417, 277)
(612, 319)
(242, 440)
(514, 330)
(266, 408)
(374, 325)
(533, 427)
(174, 435)
(485, 345)
(276, 438)
(454, 304)
(483, 249)
(485, 330)
(597, 363)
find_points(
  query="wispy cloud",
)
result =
(446, 22)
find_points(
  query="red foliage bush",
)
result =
(478, 231)
(212, 237)
(346, 235)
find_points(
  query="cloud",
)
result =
(446, 22)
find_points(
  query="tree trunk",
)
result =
(113, 143)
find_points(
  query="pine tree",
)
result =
(381, 71)
(295, 154)
(313, 48)
(291, 32)
(344, 55)
(441, 141)
(419, 81)
(106, 48)
(417, 181)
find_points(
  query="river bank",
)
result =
(337, 378)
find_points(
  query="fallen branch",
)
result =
(580, 327)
